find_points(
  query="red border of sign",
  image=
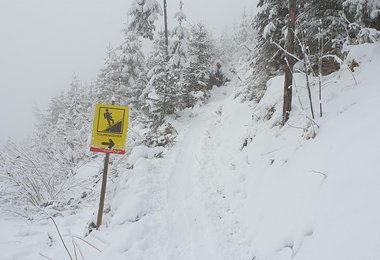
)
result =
(106, 150)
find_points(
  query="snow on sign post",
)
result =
(109, 135)
(109, 130)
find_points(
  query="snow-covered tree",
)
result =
(363, 20)
(178, 55)
(243, 33)
(143, 14)
(123, 74)
(321, 20)
(163, 81)
(178, 41)
(227, 47)
(162, 96)
(364, 12)
(65, 128)
(108, 82)
(200, 51)
(132, 69)
(217, 75)
(37, 174)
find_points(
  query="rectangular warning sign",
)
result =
(109, 130)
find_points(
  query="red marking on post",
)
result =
(106, 150)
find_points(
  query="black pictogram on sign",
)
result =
(110, 120)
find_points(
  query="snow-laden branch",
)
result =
(288, 53)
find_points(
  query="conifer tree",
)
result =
(65, 128)
(178, 55)
(243, 34)
(123, 74)
(144, 13)
(364, 12)
(227, 49)
(162, 98)
(38, 174)
(178, 43)
(321, 20)
(200, 51)
(267, 59)
(132, 69)
(163, 103)
(108, 83)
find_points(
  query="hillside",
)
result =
(237, 185)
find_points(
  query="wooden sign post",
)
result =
(109, 135)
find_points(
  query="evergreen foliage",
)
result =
(366, 13)
(144, 13)
(217, 75)
(178, 41)
(267, 59)
(363, 20)
(226, 48)
(132, 67)
(108, 83)
(123, 75)
(162, 95)
(61, 136)
(321, 20)
(200, 54)
(38, 173)
(62, 133)
(243, 33)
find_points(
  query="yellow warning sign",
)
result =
(109, 130)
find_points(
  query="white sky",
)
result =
(45, 42)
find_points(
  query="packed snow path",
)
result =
(189, 225)
(191, 230)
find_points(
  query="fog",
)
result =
(45, 42)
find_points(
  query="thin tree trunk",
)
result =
(306, 66)
(320, 40)
(320, 86)
(287, 105)
(308, 86)
(166, 31)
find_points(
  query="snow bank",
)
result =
(237, 185)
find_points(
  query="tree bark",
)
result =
(287, 104)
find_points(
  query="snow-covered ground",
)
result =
(238, 186)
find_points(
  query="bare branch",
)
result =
(63, 242)
(321, 173)
(46, 256)
(88, 243)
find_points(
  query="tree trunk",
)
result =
(166, 31)
(287, 105)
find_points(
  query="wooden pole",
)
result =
(104, 184)
(103, 191)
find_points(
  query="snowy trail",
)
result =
(191, 231)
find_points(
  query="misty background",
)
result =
(46, 42)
